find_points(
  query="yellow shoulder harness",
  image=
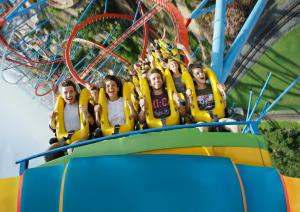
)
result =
(81, 134)
(201, 115)
(106, 127)
(153, 122)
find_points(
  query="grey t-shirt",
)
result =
(178, 84)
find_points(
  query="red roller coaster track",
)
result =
(176, 18)
(90, 21)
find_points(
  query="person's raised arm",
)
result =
(97, 109)
(187, 54)
(86, 114)
(142, 114)
(53, 119)
(133, 113)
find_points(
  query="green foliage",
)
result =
(284, 147)
(193, 41)
(53, 11)
(188, 3)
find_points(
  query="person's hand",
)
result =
(129, 103)
(143, 104)
(97, 108)
(83, 110)
(53, 115)
(188, 93)
(111, 72)
(221, 87)
(151, 58)
(180, 46)
(176, 98)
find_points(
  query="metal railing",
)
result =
(25, 162)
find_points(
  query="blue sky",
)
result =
(23, 128)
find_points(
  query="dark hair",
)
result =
(163, 59)
(117, 81)
(194, 66)
(94, 87)
(68, 83)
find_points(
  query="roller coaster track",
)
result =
(4, 42)
(177, 20)
(129, 31)
(103, 48)
(270, 30)
(25, 65)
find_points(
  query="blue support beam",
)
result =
(249, 105)
(136, 12)
(85, 11)
(279, 98)
(260, 95)
(258, 99)
(241, 39)
(198, 9)
(195, 52)
(218, 44)
(105, 6)
(17, 12)
(24, 21)
(206, 10)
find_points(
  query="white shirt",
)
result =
(71, 117)
(115, 110)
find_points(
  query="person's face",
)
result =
(199, 75)
(95, 94)
(156, 82)
(173, 66)
(111, 89)
(158, 53)
(68, 94)
(163, 64)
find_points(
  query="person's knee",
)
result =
(202, 129)
(55, 155)
(231, 128)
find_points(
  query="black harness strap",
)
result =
(116, 129)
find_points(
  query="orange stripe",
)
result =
(62, 188)
(20, 192)
(288, 207)
(242, 186)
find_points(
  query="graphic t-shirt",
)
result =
(205, 98)
(161, 106)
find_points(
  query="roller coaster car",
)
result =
(106, 127)
(61, 132)
(201, 115)
(174, 117)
